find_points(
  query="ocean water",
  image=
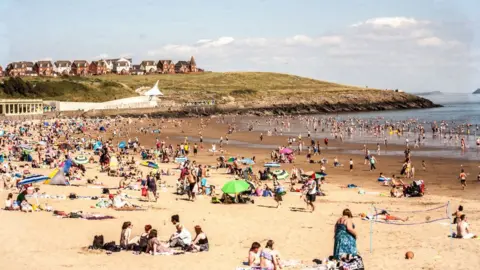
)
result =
(458, 109)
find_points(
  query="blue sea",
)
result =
(459, 108)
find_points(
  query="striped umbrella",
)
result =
(32, 179)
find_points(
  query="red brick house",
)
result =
(79, 68)
(16, 69)
(182, 67)
(186, 66)
(43, 68)
(166, 67)
(98, 67)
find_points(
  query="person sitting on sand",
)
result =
(458, 214)
(463, 230)
(9, 202)
(269, 258)
(254, 255)
(119, 202)
(181, 238)
(154, 246)
(125, 241)
(200, 243)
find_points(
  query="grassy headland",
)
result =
(230, 90)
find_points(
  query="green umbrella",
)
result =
(235, 187)
(232, 159)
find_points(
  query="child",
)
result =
(9, 202)
(457, 214)
(424, 166)
(351, 165)
(478, 177)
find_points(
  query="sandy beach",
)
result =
(40, 240)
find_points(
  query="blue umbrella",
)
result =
(122, 144)
(32, 179)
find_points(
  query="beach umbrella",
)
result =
(150, 164)
(180, 159)
(281, 174)
(80, 160)
(247, 161)
(32, 179)
(287, 151)
(235, 187)
(122, 144)
(271, 165)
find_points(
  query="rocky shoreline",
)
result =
(263, 110)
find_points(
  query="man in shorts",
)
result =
(311, 193)
(463, 179)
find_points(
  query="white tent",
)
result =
(154, 91)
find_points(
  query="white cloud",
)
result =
(430, 41)
(392, 22)
(397, 52)
(222, 41)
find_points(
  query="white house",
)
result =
(122, 66)
(148, 66)
(62, 67)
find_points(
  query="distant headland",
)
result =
(477, 92)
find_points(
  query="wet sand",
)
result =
(41, 241)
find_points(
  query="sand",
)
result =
(42, 241)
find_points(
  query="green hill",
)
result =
(234, 89)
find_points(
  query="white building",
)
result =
(122, 66)
(62, 67)
(148, 66)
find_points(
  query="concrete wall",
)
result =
(126, 103)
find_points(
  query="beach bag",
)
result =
(72, 196)
(97, 242)
(354, 263)
(105, 191)
(144, 192)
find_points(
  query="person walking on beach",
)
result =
(261, 137)
(463, 179)
(311, 193)
(372, 163)
(351, 165)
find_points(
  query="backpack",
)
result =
(97, 242)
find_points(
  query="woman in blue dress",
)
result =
(345, 236)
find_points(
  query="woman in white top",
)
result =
(125, 236)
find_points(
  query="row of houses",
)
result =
(121, 66)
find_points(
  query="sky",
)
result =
(413, 45)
